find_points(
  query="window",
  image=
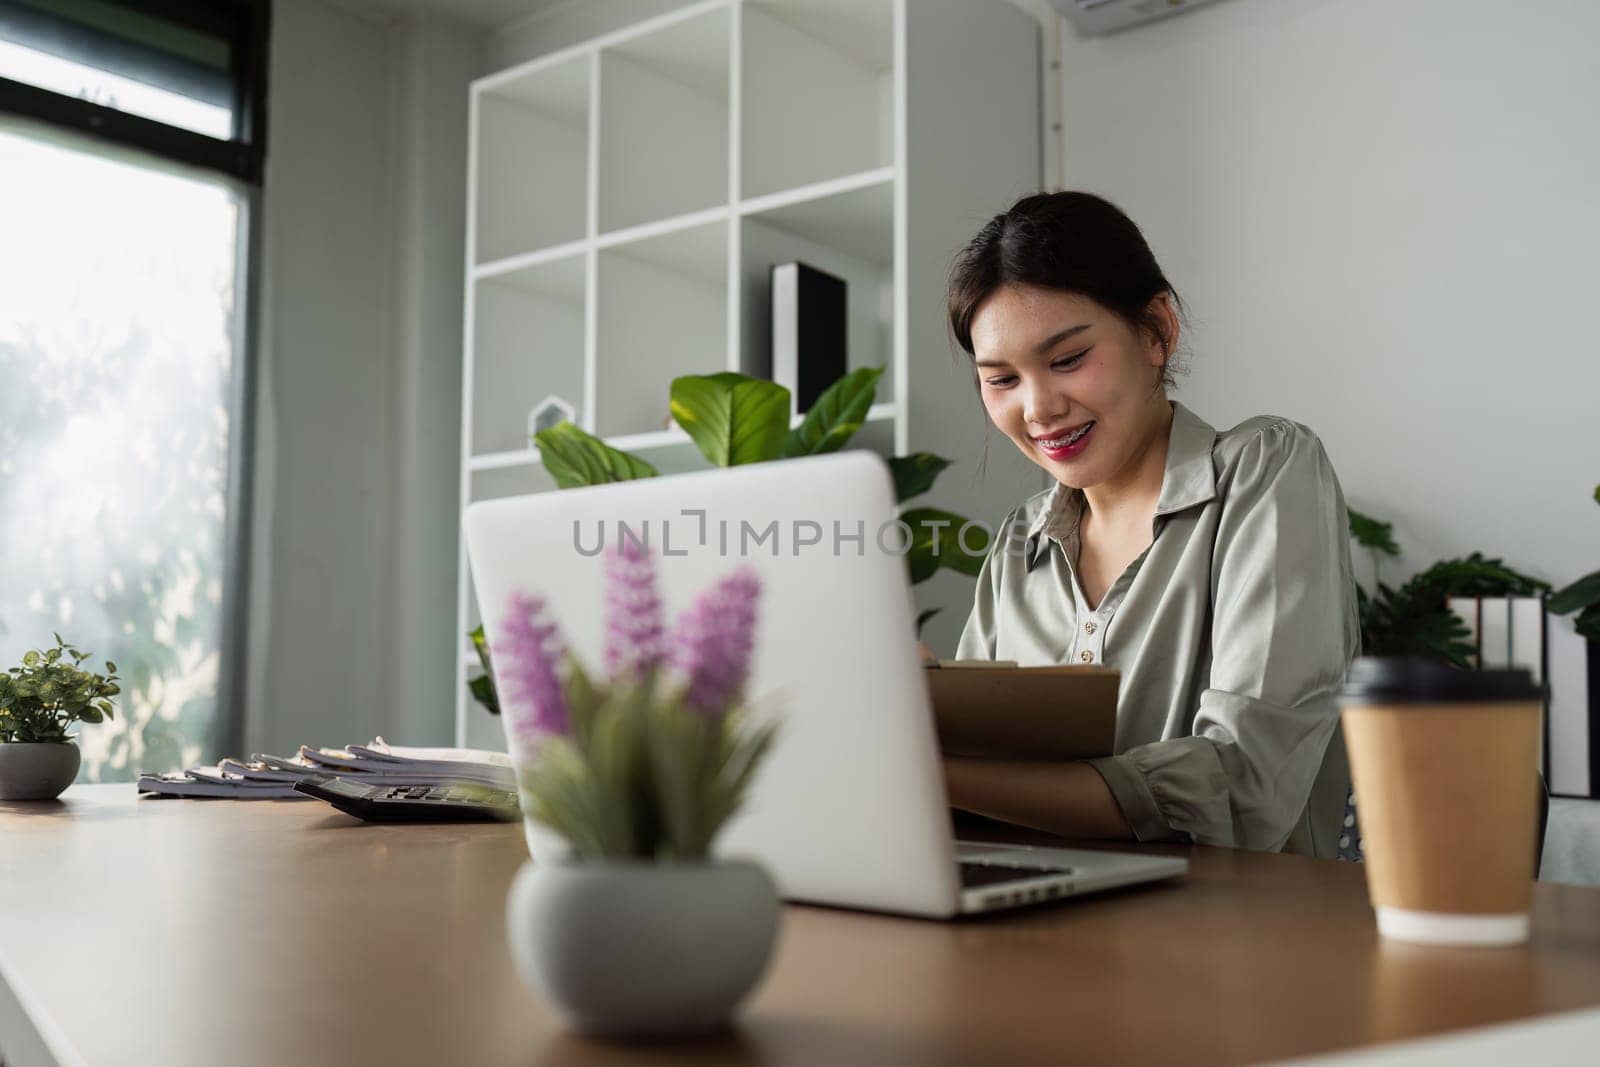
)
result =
(185, 79)
(126, 196)
(34, 67)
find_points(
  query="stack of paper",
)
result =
(215, 782)
(266, 777)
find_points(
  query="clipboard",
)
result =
(998, 710)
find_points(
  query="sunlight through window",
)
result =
(119, 288)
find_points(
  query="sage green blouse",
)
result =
(1232, 631)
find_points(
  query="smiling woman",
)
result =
(1211, 569)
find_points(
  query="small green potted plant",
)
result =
(628, 920)
(39, 701)
(1415, 619)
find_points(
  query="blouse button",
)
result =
(1086, 656)
(1088, 627)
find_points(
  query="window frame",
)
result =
(246, 25)
(241, 161)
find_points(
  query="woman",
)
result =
(1211, 569)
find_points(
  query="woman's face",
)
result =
(1073, 385)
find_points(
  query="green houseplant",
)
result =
(628, 921)
(40, 700)
(1583, 597)
(733, 420)
(1415, 619)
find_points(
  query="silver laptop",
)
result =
(849, 808)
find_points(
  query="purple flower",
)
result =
(525, 660)
(714, 639)
(635, 639)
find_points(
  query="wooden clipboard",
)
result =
(1002, 711)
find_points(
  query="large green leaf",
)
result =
(1473, 575)
(732, 419)
(914, 474)
(480, 645)
(483, 692)
(574, 458)
(936, 542)
(835, 417)
(1588, 622)
(1370, 533)
(1396, 623)
(1583, 593)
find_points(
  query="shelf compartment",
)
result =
(533, 161)
(848, 234)
(664, 122)
(528, 344)
(663, 312)
(818, 91)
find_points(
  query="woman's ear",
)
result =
(1164, 313)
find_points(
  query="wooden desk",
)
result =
(173, 932)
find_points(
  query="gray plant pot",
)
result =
(37, 770)
(639, 949)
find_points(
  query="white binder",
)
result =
(1518, 632)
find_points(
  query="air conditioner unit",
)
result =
(1094, 17)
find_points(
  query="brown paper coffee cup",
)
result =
(1444, 769)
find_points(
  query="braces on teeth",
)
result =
(1069, 439)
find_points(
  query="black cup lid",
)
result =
(1406, 680)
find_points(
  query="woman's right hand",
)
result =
(928, 654)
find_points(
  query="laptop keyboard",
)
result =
(974, 875)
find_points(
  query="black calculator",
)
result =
(440, 802)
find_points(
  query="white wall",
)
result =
(437, 58)
(357, 453)
(1383, 217)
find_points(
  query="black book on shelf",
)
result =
(808, 331)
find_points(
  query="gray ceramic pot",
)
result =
(639, 949)
(37, 770)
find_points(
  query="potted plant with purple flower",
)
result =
(635, 927)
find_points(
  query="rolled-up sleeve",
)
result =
(1283, 630)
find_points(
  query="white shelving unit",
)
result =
(627, 198)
